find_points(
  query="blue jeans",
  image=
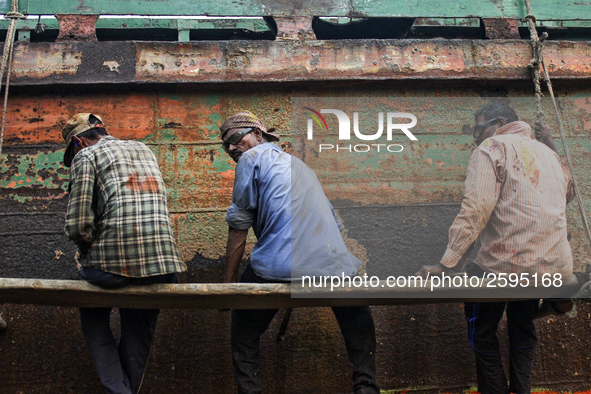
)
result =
(120, 367)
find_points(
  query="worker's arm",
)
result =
(80, 216)
(234, 253)
(544, 134)
(241, 214)
(570, 187)
(481, 192)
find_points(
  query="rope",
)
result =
(13, 15)
(536, 62)
(39, 27)
(538, 65)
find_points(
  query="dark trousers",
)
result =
(120, 367)
(483, 320)
(248, 325)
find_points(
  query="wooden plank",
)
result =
(543, 9)
(253, 296)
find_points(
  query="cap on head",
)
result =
(247, 119)
(77, 125)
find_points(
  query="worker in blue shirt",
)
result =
(298, 233)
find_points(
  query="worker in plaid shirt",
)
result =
(118, 217)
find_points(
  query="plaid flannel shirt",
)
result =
(117, 213)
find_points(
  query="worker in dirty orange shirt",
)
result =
(515, 198)
(118, 217)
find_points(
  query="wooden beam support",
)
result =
(254, 296)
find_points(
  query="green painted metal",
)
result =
(259, 24)
(448, 22)
(255, 24)
(475, 22)
(24, 35)
(543, 9)
(563, 24)
(22, 175)
(151, 23)
(182, 7)
(184, 35)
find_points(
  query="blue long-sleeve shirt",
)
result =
(297, 230)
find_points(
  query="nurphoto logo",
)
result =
(345, 130)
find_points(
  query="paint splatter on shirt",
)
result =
(117, 212)
(515, 198)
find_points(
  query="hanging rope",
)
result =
(39, 27)
(538, 67)
(537, 47)
(13, 15)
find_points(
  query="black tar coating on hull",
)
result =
(400, 239)
(418, 346)
(119, 57)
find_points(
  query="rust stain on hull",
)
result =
(292, 60)
(180, 125)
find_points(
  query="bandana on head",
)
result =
(247, 119)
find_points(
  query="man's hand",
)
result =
(432, 270)
(344, 232)
(544, 134)
(77, 260)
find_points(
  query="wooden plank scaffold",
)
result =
(72, 293)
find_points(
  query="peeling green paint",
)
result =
(42, 170)
(169, 135)
(544, 9)
(148, 138)
(222, 161)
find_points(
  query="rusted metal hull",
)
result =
(285, 61)
(174, 97)
(179, 123)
